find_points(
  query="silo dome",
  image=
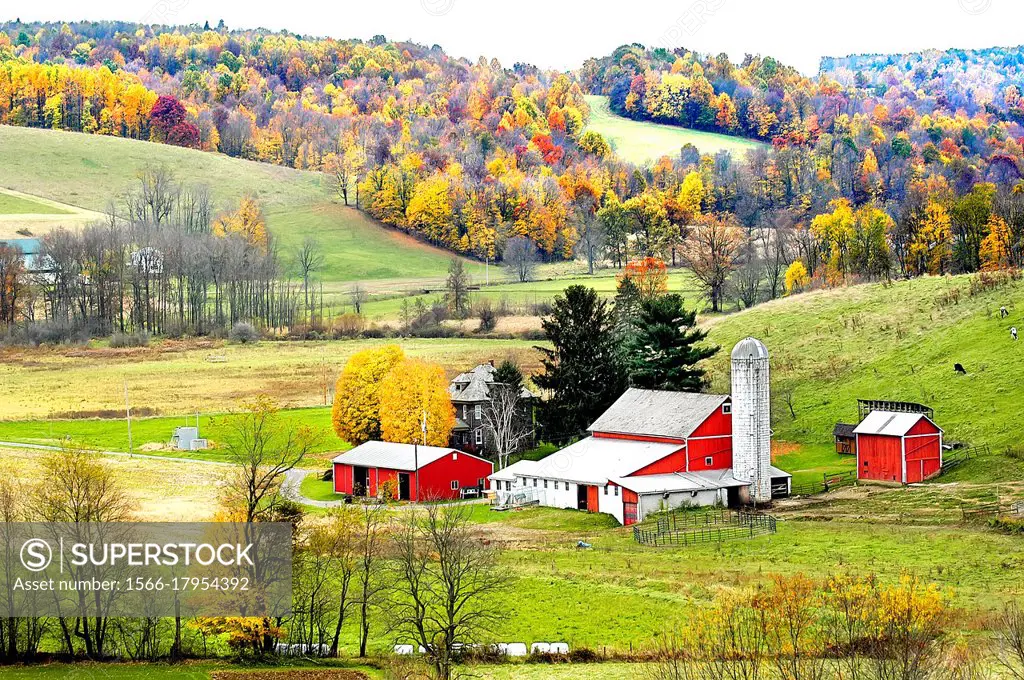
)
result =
(750, 348)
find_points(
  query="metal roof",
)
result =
(658, 413)
(890, 423)
(843, 430)
(474, 385)
(508, 474)
(750, 348)
(393, 456)
(595, 460)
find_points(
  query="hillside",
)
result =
(88, 171)
(642, 141)
(896, 341)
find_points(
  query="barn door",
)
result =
(628, 513)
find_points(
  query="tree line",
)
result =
(163, 262)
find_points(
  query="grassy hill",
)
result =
(639, 142)
(897, 341)
(88, 171)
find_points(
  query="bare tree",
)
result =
(457, 289)
(357, 294)
(710, 253)
(309, 259)
(11, 510)
(369, 568)
(444, 585)
(520, 257)
(263, 446)
(1011, 641)
(748, 275)
(325, 564)
(506, 421)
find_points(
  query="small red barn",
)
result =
(442, 473)
(898, 447)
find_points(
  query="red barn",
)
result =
(442, 473)
(898, 447)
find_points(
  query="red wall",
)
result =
(879, 458)
(924, 452)
(342, 478)
(718, 427)
(673, 462)
(435, 478)
(884, 455)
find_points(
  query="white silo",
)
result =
(751, 417)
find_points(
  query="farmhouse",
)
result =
(898, 447)
(655, 449)
(415, 472)
(471, 396)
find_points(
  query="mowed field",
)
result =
(24, 216)
(640, 142)
(89, 171)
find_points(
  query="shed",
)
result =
(898, 447)
(418, 472)
(846, 439)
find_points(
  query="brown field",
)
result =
(175, 377)
(163, 490)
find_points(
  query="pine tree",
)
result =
(583, 371)
(664, 350)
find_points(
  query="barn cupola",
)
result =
(751, 417)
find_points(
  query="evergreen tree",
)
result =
(583, 371)
(663, 351)
(508, 374)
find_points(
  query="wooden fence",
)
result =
(690, 528)
(829, 481)
(958, 457)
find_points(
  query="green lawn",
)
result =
(152, 671)
(91, 170)
(19, 205)
(897, 342)
(524, 297)
(639, 142)
(317, 489)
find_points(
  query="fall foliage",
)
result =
(415, 389)
(357, 394)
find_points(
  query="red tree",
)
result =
(166, 114)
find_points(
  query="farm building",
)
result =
(471, 397)
(898, 447)
(417, 472)
(655, 449)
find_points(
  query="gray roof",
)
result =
(658, 413)
(394, 456)
(474, 386)
(890, 423)
(844, 430)
(508, 474)
(595, 460)
(750, 348)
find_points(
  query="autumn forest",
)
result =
(877, 167)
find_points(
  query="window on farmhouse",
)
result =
(478, 412)
(535, 481)
(479, 437)
(465, 411)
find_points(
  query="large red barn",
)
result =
(442, 473)
(898, 447)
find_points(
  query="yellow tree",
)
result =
(932, 249)
(833, 232)
(248, 222)
(796, 277)
(356, 411)
(414, 388)
(995, 248)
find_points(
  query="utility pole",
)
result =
(416, 454)
(128, 416)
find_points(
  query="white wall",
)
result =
(656, 502)
(610, 503)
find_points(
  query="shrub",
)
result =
(243, 333)
(488, 319)
(348, 325)
(137, 339)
